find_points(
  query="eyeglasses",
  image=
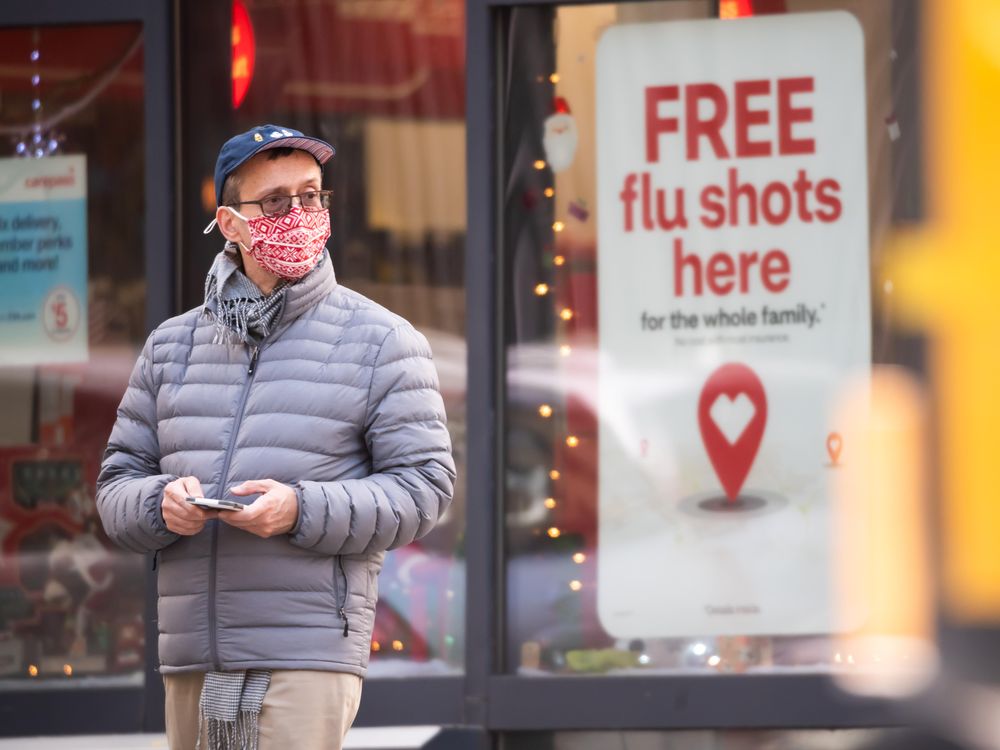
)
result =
(279, 205)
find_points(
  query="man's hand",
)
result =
(182, 517)
(274, 512)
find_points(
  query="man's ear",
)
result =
(229, 225)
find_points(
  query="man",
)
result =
(318, 409)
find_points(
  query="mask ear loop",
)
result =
(230, 245)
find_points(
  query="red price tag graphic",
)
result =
(61, 314)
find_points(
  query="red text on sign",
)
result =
(723, 273)
(738, 203)
(705, 109)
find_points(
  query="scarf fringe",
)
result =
(243, 315)
(241, 734)
(229, 709)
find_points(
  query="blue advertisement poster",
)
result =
(43, 260)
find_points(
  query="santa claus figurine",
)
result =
(560, 137)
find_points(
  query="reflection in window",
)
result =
(556, 413)
(72, 281)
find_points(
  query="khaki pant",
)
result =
(303, 709)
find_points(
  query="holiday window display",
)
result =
(70, 604)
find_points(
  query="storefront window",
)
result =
(72, 318)
(385, 84)
(695, 216)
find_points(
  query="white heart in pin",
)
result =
(732, 416)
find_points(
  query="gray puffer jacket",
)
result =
(341, 402)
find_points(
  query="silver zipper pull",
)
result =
(253, 361)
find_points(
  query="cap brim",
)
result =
(320, 150)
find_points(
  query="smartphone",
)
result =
(212, 504)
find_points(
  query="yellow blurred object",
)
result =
(944, 278)
(884, 578)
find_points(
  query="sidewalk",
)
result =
(382, 738)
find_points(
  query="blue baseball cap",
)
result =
(241, 147)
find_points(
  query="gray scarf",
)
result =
(243, 314)
(231, 703)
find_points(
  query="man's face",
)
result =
(261, 177)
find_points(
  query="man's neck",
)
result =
(264, 280)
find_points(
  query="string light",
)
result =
(376, 646)
(566, 314)
(68, 670)
(575, 585)
(32, 670)
(579, 558)
(554, 475)
(554, 532)
(549, 192)
(397, 645)
(558, 226)
(554, 78)
(542, 289)
(565, 350)
(559, 260)
(545, 410)
(39, 144)
(572, 441)
(550, 503)
(714, 660)
(539, 164)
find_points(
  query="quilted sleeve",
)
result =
(130, 484)
(413, 472)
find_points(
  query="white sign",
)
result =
(734, 304)
(43, 260)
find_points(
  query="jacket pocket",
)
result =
(371, 592)
(340, 591)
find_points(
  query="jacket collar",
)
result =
(301, 295)
(308, 291)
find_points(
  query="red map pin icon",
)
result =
(732, 413)
(834, 444)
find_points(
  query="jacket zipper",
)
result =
(342, 603)
(213, 559)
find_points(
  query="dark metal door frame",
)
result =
(95, 710)
(504, 702)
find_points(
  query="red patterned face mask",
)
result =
(289, 245)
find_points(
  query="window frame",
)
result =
(508, 702)
(117, 709)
